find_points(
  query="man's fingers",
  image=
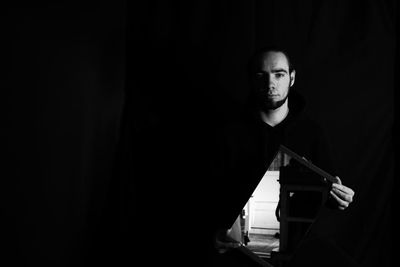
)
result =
(342, 195)
(223, 247)
(222, 244)
(342, 204)
(338, 185)
(346, 190)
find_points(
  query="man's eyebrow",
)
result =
(279, 70)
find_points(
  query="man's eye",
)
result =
(259, 74)
(279, 75)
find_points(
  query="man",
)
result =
(275, 116)
(273, 77)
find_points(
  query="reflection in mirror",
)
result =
(257, 227)
(282, 208)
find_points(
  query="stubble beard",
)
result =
(267, 104)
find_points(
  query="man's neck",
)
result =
(273, 117)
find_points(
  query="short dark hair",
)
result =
(266, 49)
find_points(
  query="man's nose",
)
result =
(271, 82)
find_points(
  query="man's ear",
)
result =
(292, 77)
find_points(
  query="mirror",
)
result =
(300, 188)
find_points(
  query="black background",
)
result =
(110, 111)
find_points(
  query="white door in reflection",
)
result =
(261, 206)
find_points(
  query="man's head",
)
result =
(271, 74)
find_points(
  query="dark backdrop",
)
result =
(111, 109)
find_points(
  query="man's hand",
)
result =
(342, 194)
(223, 243)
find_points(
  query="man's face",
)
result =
(272, 80)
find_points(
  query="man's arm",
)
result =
(341, 195)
